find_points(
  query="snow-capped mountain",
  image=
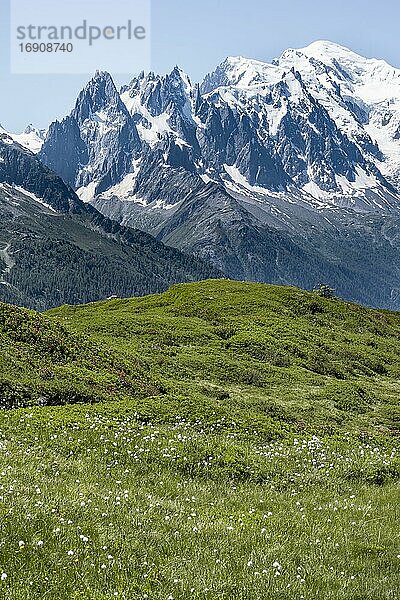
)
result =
(310, 144)
(31, 138)
(320, 121)
(362, 95)
(94, 146)
(306, 146)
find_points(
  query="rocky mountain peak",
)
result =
(99, 95)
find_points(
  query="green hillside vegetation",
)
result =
(222, 440)
(42, 363)
(266, 354)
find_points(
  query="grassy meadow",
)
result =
(221, 440)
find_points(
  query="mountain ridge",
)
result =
(172, 108)
(270, 172)
(56, 249)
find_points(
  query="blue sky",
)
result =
(198, 34)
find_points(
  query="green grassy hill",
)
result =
(255, 350)
(222, 440)
(42, 363)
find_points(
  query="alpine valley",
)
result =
(287, 173)
(55, 249)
